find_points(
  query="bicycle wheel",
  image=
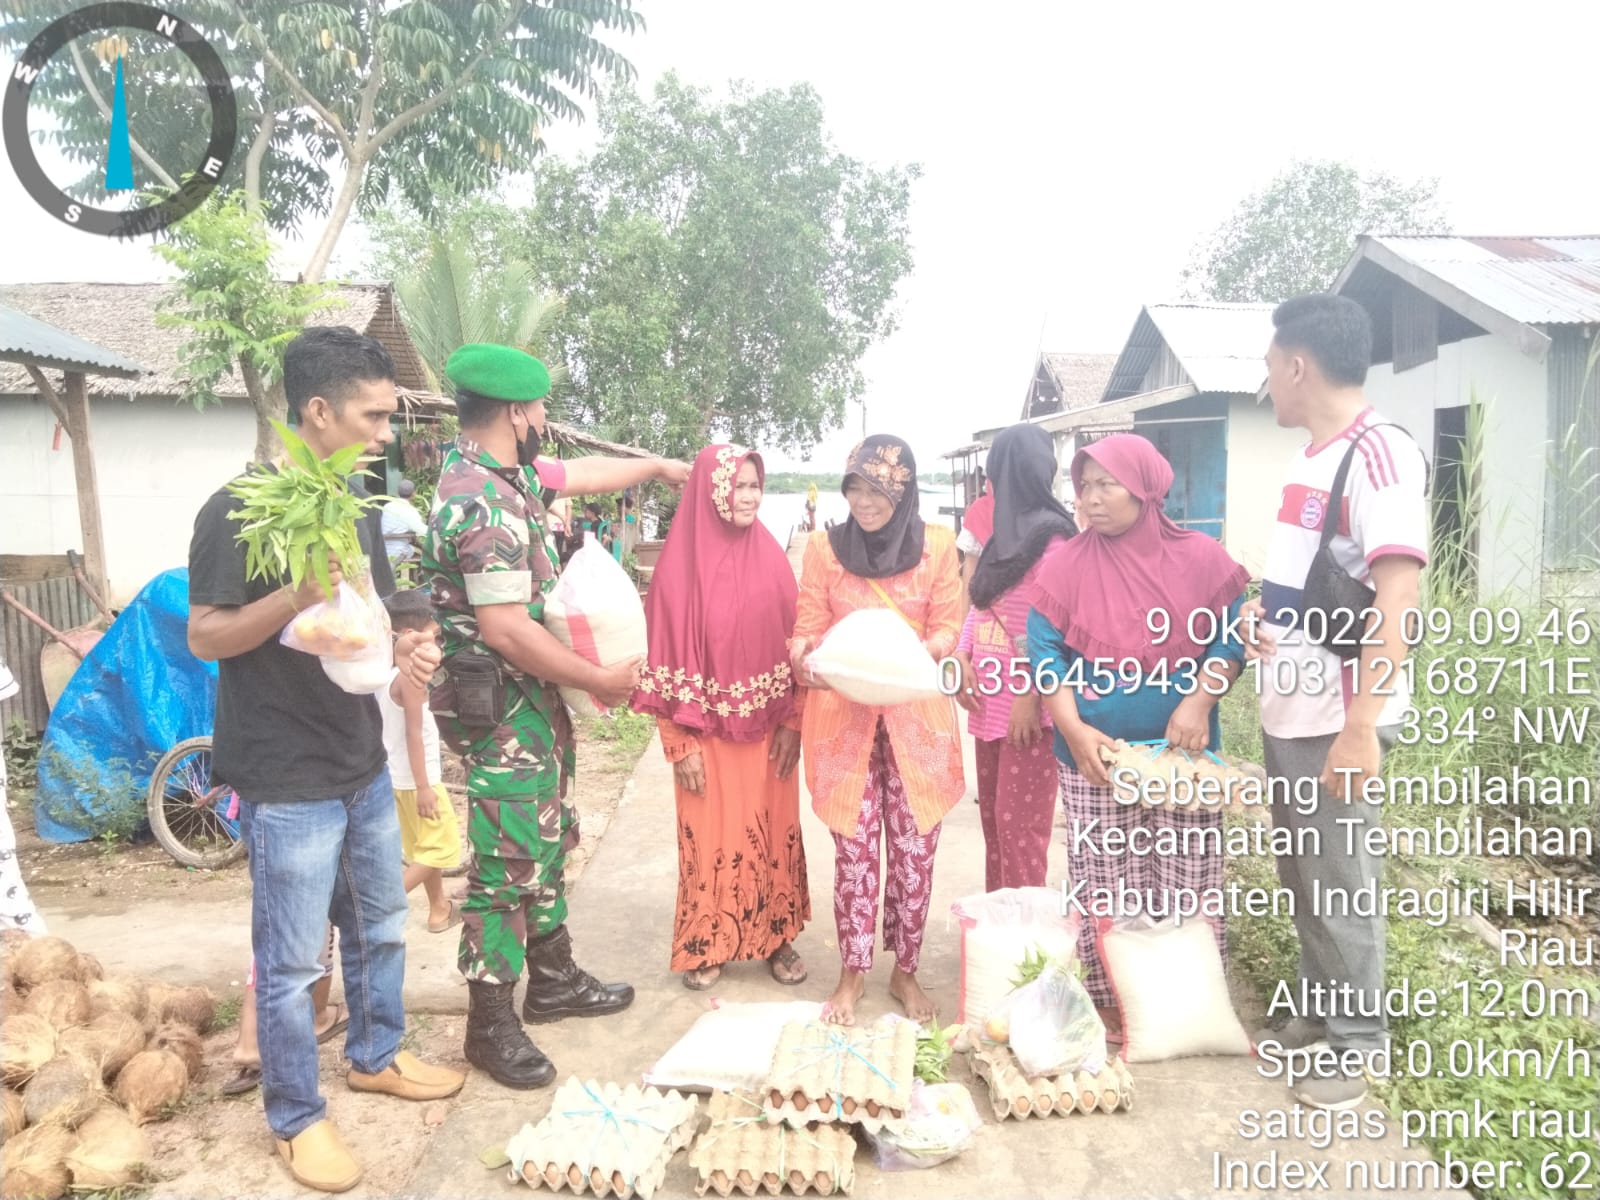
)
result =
(184, 809)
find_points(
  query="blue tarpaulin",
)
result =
(138, 693)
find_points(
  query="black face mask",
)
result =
(528, 447)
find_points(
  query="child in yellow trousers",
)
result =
(429, 834)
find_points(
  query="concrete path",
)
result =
(621, 913)
(621, 921)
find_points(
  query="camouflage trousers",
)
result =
(521, 830)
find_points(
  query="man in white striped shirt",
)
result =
(1324, 719)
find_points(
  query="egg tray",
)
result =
(1014, 1094)
(604, 1139)
(844, 1074)
(743, 1151)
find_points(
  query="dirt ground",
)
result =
(215, 1146)
(64, 873)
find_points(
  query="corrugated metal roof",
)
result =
(1220, 346)
(1215, 345)
(1535, 280)
(27, 338)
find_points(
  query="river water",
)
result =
(783, 511)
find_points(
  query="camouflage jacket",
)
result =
(486, 543)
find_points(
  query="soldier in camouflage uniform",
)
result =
(489, 564)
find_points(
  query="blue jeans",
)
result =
(312, 861)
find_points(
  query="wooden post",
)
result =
(75, 405)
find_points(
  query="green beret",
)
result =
(498, 372)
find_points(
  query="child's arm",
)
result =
(412, 699)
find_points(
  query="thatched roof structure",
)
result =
(430, 406)
(1066, 382)
(122, 317)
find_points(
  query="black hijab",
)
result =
(886, 465)
(1027, 515)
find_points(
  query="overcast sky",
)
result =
(1074, 153)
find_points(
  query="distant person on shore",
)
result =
(628, 536)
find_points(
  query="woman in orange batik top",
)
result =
(719, 611)
(881, 774)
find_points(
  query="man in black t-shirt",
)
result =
(316, 807)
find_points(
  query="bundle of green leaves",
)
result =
(296, 517)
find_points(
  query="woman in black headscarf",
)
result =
(1017, 778)
(880, 774)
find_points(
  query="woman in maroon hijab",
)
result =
(1103, 598)
(720, 610)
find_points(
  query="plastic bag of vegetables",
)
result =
(939, 1122)
(1051, 1024)
(351, 635)
(294, 521)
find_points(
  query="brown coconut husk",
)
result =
(151, 1084)
(10, 998)
(111, 1151)
(157, 996)
(36, 1164)
(11, 940)
(89, 968)
(62, 1002)
(195, 1007)
(27, 1042)
(39, 960)
(185, 1043)
(118, 995)
(109, 1041)
(15, 1116)
(64, 1091)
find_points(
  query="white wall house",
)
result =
(157, 457)
(1509, 325)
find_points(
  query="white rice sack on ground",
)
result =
(999, 930)
(595, 610)
(872, 656)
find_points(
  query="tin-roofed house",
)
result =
(1188, 378)
(1505, 326)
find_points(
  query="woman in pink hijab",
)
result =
(1102, 598)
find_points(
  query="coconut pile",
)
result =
(86, 1061)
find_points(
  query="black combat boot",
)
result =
(496, 1043)
(558, 987)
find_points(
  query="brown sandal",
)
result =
(788, 959)
(701, 978)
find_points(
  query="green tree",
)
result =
(724, 267)
(1296, 235)
(449, 299)
(237, 314)
(340, 104)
